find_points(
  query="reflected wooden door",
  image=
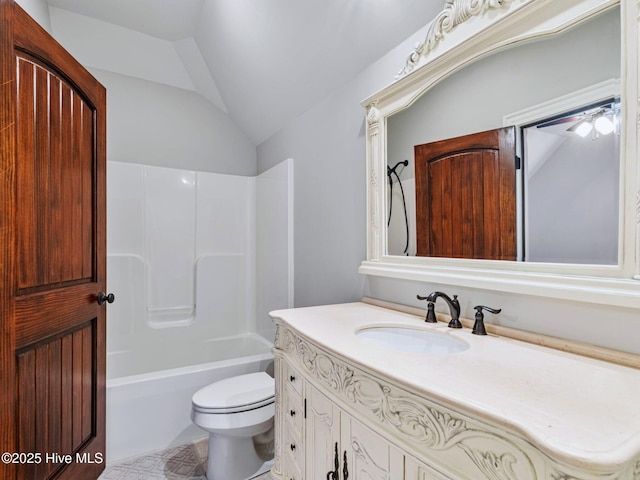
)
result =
(466, 196)
(53, 257)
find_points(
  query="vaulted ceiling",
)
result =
(268, 61)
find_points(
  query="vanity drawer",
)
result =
(294, 455)
(291, 471)
(293, 409)
(293, 378)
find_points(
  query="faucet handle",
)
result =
(478, 326)
(455, 313)
(456, 303)
(431, 311)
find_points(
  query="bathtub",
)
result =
(150, 410)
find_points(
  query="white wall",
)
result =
(328, 144)
(154, 115)
(118, 49)
(165, 126)
(38, 10)
(573, 202)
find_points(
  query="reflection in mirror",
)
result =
(571, 173)
(550, 228)
(466, 196)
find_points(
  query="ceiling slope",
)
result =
(265, 62)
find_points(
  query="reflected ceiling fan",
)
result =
(598, 119)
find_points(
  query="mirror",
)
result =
(566, 188)
(442, 72)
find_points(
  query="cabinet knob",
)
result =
(292, 413)
(293, 446)
(292, 378)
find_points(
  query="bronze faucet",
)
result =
(454, 307)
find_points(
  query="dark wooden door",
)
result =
(466, 196)
(53, 257)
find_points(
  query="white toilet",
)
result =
(238, 414)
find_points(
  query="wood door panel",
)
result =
(36, 321)
(57, 225)
(491, 207)
(465, 196)
(52, 254)
(7, 259)
(59, 413)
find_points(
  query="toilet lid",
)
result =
(234, 394)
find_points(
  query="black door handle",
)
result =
(334, 474)
(345, 468)
(102, 297)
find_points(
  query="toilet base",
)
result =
(232, 458)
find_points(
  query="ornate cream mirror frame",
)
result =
(464, 31)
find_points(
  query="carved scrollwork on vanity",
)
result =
(426, 428)
(374, 471)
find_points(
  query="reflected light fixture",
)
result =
(582, 128)
(597, 123)
(603, 125)
(596, 120)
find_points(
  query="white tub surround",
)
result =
(186, 253)
(501, 409)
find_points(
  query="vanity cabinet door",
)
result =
(417, 470)
(322, 434)
(328, 429)
(368, 455)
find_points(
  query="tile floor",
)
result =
(184, 462)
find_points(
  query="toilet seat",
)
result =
(237, 394)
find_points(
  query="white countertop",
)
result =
(579, 410)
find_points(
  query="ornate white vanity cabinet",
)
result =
(501, 409)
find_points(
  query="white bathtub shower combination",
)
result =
(151, 411)
(196, 260)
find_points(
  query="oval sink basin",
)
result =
(411, 340)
